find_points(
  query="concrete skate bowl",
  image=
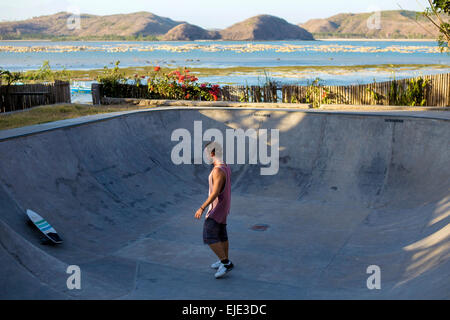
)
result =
(351, 191)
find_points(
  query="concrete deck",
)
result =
(354, 189)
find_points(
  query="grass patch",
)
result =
(52, 113)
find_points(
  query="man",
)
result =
(219, 200)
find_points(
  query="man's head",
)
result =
(213, 151)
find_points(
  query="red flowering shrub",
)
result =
(214, 92)
(176, 85)
(181, 84)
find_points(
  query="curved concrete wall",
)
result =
(351, 191)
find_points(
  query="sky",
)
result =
(205, 13)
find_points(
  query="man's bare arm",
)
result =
(218, 183)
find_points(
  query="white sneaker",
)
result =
(223, 269)
(216, 265)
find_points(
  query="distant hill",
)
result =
(147, 26)
(265, 27)
(133, 25)
(189, 32)
(394, 24)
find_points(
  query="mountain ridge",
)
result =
(395, 24)
(265, 27)
(144, 24)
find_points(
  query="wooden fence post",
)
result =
(95, 88)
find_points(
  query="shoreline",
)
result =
(208, 72)
(275, 72)
(249, 41)
(374, 40)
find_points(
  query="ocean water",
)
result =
(83, 55)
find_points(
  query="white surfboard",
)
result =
(44, 226)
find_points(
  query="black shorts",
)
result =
(214, 232)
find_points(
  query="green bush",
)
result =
(10, 77)
(413, 95)
(43, 74)
(111, 79)
(313, 94)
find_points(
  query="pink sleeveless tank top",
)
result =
(220, 208)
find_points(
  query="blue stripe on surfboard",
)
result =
(46, 228)
(42, 224)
